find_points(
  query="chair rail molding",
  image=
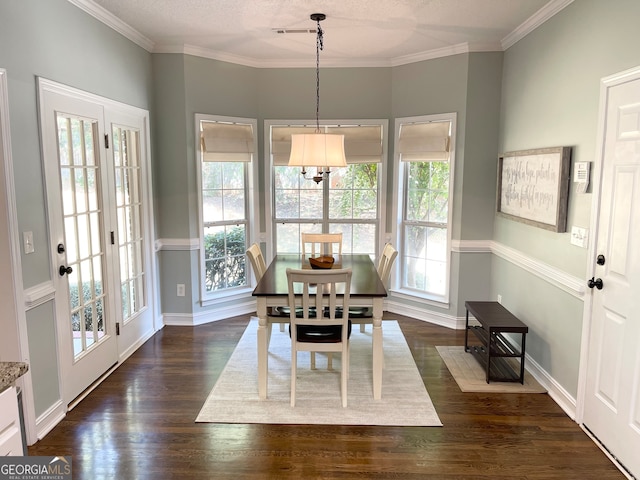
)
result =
(39, 294)
(569, 283)
(177, 244)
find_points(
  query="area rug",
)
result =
(471, 377)
(405, 401)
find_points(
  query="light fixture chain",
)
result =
(319, 46)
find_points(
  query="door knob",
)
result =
(595, 282)
(62, 270)
(600, 260)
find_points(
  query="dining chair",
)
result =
(259, 267)
(385, 264)
(317, 292)
(324, 242)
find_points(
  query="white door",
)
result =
(612, 396)
(132, 238)
(80, 226)
(98, 198)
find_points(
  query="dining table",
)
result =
(367, 290)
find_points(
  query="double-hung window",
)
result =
(347, 201)
(227, 151)
(425, 178)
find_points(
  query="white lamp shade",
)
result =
(317, 150)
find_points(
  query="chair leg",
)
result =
(294, 362)
(329, 361)
(344, 374)
(282, 327)
(313, 360)
(362, 329)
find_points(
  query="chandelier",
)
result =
(318, 149)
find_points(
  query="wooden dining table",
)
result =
(367, 290)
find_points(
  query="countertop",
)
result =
(10, 372)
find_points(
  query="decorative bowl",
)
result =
(321, 262)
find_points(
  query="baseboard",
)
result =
(419, 313)
(136, 345)
(50, 418)
(555, 390)
(207, 316)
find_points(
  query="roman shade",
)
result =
(424, 142)
(362, 143)
(226, 142)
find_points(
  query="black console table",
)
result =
(495, 348)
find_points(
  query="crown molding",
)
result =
(104, 16)
(110, 20)
(533, 22)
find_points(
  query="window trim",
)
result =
(398, 211)
(269, 205)
(251, 205)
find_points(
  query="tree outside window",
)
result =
(425, 180)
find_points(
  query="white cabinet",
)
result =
(10, 435)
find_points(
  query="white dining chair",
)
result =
(321, 243)
(385, 264)
(259, 267)
(317, 292)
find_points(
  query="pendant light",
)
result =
(318, 149)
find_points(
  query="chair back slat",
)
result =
(321, 243)
(257, 261)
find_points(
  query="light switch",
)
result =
(27, 238)
(579, 237)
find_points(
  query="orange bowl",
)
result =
(321, 262)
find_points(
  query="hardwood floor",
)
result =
(139, 424)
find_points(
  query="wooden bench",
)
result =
(496, 348)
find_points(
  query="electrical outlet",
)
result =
(180, 290)
(500, 299)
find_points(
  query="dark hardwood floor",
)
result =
(139, 424)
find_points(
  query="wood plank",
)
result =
(140, 424)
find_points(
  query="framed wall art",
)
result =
(533, 187)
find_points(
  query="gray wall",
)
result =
(55, 40)
(550, 95)
(467, 84)
(542, 92)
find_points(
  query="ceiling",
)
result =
(356, 32)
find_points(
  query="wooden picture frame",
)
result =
(533, 187)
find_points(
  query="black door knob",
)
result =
(62, 270)
(600, 260)
(595, 282)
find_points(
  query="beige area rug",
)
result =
(471, 377)
(405, 401)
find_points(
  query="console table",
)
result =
(495, 348)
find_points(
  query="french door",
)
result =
(98, 234)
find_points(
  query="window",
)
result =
(348, 202)
(425, 177)
(227, 147)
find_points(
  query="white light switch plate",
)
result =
(27, 239)
(579, 237)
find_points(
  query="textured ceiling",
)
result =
(357, 32)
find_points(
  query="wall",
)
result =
(57, 41)
(465, 84)
(550, 97)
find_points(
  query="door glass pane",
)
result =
(81, 207)
(130, 216)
